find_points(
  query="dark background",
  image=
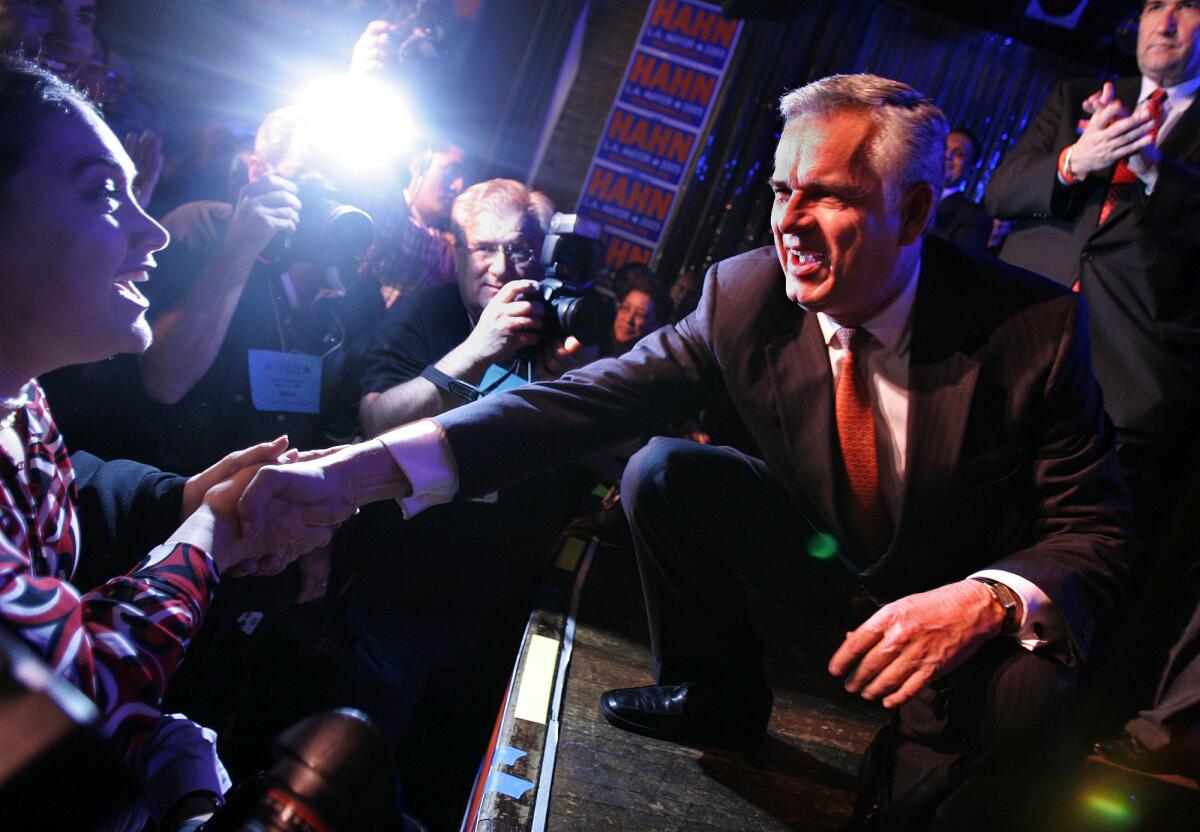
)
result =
(987, 64)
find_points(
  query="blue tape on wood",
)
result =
(507, 755)
(507, 785)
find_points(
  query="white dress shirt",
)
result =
(886, 358)
(1179, 98)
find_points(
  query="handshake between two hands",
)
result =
(249, 536)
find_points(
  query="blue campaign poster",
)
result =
(666, 96)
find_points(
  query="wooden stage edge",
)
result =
(555, 764)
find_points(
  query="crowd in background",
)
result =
(415, 621)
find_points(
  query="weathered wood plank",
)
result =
(610, 779)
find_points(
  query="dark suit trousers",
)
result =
(707, 519)
(1174, 716)
(704, 520)
(1132, 655)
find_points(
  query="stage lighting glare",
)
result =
(363, 125)
(822, 546)
(1106, 807)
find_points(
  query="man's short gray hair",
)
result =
(910, 144)
(503, 197)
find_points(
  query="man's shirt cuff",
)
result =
(423, 454)
(1041, 622)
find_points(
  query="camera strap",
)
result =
(466, 392)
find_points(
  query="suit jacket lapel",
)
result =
(941, 382)
(1183, 142)
(798, 365)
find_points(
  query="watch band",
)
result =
(1065, 173)
(466, 392)
(1007, 599)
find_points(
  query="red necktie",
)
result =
(1122, 176)
(860, 500)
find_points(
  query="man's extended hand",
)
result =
(196, 487)
(292, 530)
(320, 487)
(910, 642)
(1111, 134)
(278, 493)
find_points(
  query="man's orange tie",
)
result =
(860, 500)
(1123, 177)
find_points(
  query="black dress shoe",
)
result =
(1128, 751)
(691, 713)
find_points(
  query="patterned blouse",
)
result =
(120, 643)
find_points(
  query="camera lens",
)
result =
(579, 316)
(341, 231)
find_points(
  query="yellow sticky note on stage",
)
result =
(537, 679)
(570, 553)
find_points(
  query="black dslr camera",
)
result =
(330, 231)
(569, 257)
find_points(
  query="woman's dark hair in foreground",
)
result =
(27, 94)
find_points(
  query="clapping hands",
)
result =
(1112, 134)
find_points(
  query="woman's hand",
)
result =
(295, 528)
(257, 455)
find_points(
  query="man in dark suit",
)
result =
(932, 420)
(1136, 268)
(960, 219)
(1105, 186)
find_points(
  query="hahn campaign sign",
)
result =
(646, 144)
(695, 31)
(670, 88)
(627, 201)
(666, 96)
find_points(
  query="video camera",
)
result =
(567, 289)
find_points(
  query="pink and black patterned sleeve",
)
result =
(121, 643)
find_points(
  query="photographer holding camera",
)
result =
(250, 318)
(433, 348)
(439, 602)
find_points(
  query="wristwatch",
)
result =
(1007, 599)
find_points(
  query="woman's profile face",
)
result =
(74, 244)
